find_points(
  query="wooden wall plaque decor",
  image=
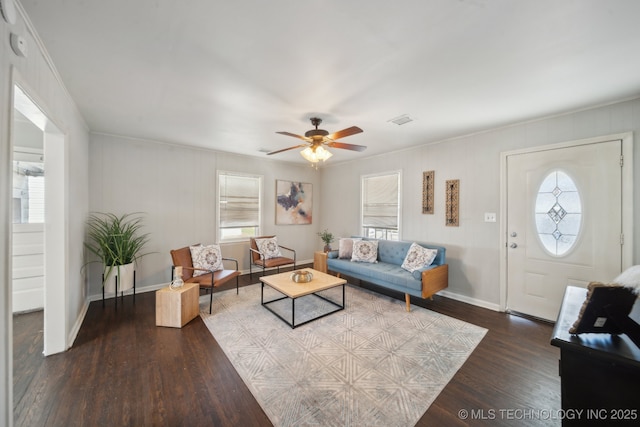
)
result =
(427, 192)
(453, 202)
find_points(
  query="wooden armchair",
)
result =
(266, 260)
(182, 257)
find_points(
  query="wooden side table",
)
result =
(320, 261)
(177, 307)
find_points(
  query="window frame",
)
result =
(219, 228)
(556, 253)
(386, 231)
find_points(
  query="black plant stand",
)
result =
(121, 292)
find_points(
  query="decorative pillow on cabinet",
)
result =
(601, 297)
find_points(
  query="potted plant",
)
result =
(118, 243)
(327, 238)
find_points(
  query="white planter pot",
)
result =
(124, 273)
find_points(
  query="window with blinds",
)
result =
(238, 206)
(381, 206)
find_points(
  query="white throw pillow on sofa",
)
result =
(206, 257)
(365, 251)
(345, 247)
(418, 257)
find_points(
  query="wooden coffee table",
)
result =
(282, 283)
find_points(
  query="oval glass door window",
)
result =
(558, 213)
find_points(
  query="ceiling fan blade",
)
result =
(345, 132)
(352, 147)
(304, 138)
(287, 149)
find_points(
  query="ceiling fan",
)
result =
(316, 139)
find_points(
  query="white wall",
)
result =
(176, 187)
(41, 82)
(473, 250)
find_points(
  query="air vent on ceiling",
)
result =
(400, 120)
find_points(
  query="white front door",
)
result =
(564, 223)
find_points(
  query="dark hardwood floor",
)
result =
(124, 371)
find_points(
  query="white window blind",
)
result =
(380, 201)
(239, 205)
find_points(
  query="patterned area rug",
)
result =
(372, 364)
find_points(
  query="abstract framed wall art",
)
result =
(294, 203)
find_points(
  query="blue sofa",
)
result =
(388, 273)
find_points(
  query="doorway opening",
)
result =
(39, 252)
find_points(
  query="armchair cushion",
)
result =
(206, 258)
(208, 262)
(269, 247)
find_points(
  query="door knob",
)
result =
(514, 234)
(513, 246)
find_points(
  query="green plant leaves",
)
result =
(115, 240)
(326, 236)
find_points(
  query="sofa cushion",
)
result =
(393, 251)
(365, 251)
(206, 258)
(380, 273)
(418, 257)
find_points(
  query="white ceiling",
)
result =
(228, 74)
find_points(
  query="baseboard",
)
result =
(152, 288)
(73, 333)
(139, 290)
(469, 300)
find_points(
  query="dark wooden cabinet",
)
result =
(600, 373)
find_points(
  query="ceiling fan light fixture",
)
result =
(316, 139)
(315, 154)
